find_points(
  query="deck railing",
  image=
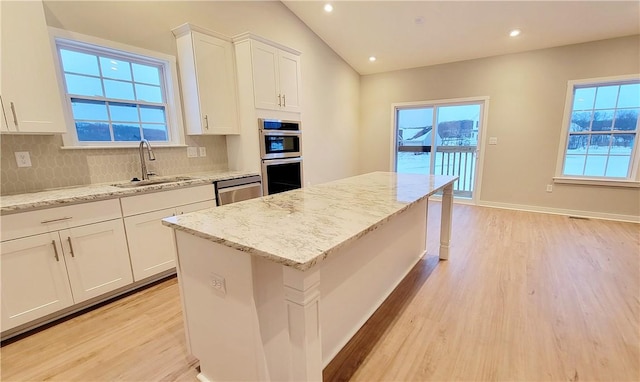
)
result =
(451, 160)
(460, 161)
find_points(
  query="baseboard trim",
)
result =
(561, 211)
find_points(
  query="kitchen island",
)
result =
(274, 287)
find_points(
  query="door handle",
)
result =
(70, 247)
(15, 117)
(206, 121)
(279, 100)
(284, 100)
(55, 250)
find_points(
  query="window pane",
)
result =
(155, 132)
(76, 62)
(606, 97)
(112, 68)
(583, 98)
(93, 131)
(124, 112)
(148, 93)
(622, 144)
(87, 109)
(618, 166)
(599, 144)
(629, 96)
(126, 132)
(146, 74)
(595, 165)
(626, 119)
(602, 120)
(82, 85)
(577, 144)
(580, 120)
(118, 89)
(152, 114)
(573, 164)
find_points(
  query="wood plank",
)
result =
(524, 296)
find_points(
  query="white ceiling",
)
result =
(458, 30)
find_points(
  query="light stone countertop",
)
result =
(72, 195)
(302, 227)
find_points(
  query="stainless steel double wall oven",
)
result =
(281, 154)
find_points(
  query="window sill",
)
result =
(135, 146)
(597, 182)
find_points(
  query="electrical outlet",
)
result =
(203, 151)
(493, 140)
(549, 187)
(218, 283)
(192, 152)
(23, 159)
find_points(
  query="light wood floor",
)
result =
(524, 296)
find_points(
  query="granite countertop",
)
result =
(72, 195)
(302, 227)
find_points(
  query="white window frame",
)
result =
(173, 110)
(633, 180)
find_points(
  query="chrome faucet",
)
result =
(143, 164)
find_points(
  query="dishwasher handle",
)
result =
(239, 193)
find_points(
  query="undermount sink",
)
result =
(149, 182)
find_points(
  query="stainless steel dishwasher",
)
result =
(237, 190)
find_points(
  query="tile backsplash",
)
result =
(53, 167)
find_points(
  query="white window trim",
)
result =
(438, 102)
(174, 110)
(633, 180)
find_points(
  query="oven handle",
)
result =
(281, 133)
(269, 162)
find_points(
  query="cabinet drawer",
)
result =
(53, 219)
(134, 205)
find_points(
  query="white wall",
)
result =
(527, 95)
(330, 87)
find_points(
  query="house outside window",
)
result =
(117, 95)
(600, 132)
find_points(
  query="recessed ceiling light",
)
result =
(328, 7)
(372, 58)
(514, 33)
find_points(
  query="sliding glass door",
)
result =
(440, 138)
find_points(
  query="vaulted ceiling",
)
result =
(408, 34)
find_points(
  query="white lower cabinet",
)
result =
(76, 255)
(45, 273)
(97, 259)
(34, 279)
(151, 244)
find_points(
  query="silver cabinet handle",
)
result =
(70, 247)
(206, 122)
(55, 250)
(56, 220)
(284, 100)
(279, 100)
(15, 117)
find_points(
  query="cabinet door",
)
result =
(289, 76)
(151, 244)
(97, 258)
(265, 76)
(34, 279)
(30, 92)
(216, 84)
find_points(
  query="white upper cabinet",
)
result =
(276, 77)
(31, 98)
(208, 76)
